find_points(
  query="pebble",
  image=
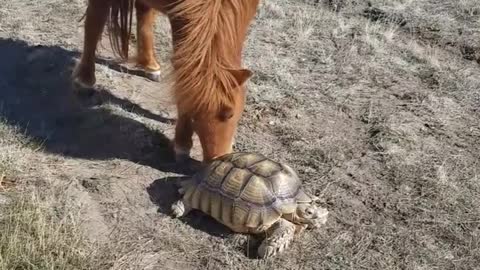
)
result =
(4, 199)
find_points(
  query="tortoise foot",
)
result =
(239, 239)
(179, 209)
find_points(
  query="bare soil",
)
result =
(377, 106)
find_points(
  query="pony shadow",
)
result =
(164, 192)
(36, 97)
(117, 66)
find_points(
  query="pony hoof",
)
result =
(153, 75)
(82, 89)
(181, 155)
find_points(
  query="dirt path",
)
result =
(381, 124)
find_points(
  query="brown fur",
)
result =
(210, 45)
(208, 37)
(146, 17)
(207, 48)
(120, 26)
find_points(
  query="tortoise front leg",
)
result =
(280, 236)
(300, 228)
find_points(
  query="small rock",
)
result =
(4, 199)
(297, 143)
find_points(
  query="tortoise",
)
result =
(252, 194)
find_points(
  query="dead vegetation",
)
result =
(36, 234)
(38, 223)
(375, 103)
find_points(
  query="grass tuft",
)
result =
(37, 235)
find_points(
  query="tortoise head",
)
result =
(309, 213)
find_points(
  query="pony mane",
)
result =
(207, 45)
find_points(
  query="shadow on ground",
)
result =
(163, 192)
(36, 96)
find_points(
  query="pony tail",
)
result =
(120, 26)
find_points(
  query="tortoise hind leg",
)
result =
(280, 236)
(180, 209)
(239, 239)
(183, 185)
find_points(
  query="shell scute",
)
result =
(258, 191)
(235, 181)
(216, 205)
(246, 191)
(240, 213)
(247, 160)
(266, 168)
(216, 174)
(284, 186)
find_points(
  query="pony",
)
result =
(208, 77)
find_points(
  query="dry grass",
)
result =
(38, 233)
(376, 107)
(39, 227)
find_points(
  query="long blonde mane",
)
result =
(209, 43)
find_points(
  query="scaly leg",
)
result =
(179, 209)
(184, 185)
(280, 236)
(239, 239)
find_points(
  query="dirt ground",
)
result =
(377, 106)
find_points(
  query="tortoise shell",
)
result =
(247, 192)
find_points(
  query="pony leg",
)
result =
(95, 20)
(183, 138)
(145, 45)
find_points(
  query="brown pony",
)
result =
(208, 37)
